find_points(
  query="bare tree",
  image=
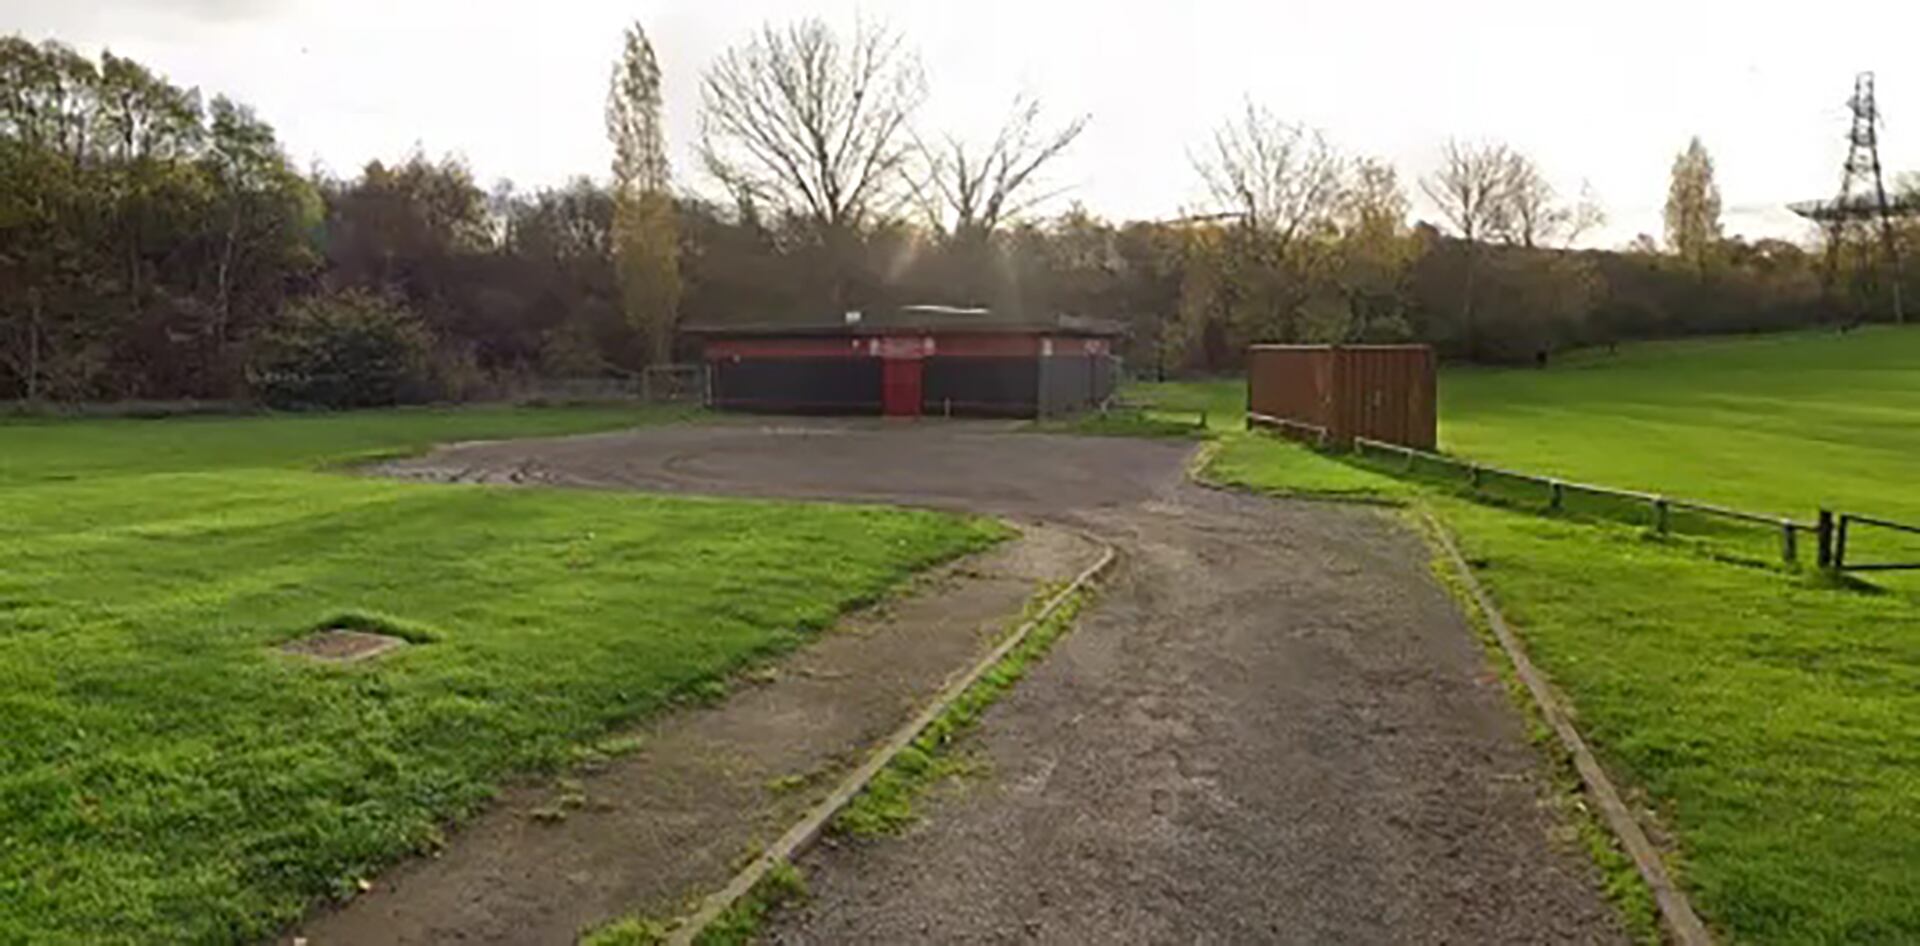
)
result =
(971, 192)
(800, 121)
(1533, 212)
(1472, 189)
(1535, 215)
(1587, 215)
(1282, 180)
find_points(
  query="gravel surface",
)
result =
(1273, 726)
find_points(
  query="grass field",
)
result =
(1780, 424)
(165, 775)
(1772, 718)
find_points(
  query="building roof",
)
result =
(917, 318)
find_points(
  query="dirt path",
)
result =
(1273, 726)
(648, 831)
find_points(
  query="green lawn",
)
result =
(166, 776)
(1779, 424)
(1776, 424)
(1773, 719)
(1223, 400)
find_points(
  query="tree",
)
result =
(1278, 179)
(262, 212)
(816, 128)
(970, 191)
(1535, 216)
(1471, 188)
(1280, 184)
(646, 227)
(1693, 207)
(350, 349)
(1373, 256)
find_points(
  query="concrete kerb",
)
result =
(1676, 911)
(809, 828)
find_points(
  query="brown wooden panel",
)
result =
(1382, 392)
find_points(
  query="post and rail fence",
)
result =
(1846, 521)
(1831, 531)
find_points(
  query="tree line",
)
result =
(155, 245)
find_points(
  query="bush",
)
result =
(343, 350)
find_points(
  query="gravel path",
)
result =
(1273, 726)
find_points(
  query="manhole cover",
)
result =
(339, 645)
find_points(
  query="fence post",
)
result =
(1789, 542)
(1660, 517)
(1840, 545)
(1558, 495)
(1473, 474)
(1823, 537)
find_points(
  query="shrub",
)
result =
(343, 350)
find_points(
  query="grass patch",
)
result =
(1264, 463)
(782, 885)
(887, 805)
(373, 622)
(1775, 719)
(1125, 422)
(1223, 401)
(163, 777)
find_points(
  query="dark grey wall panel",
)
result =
(823, 385)
(999, 386)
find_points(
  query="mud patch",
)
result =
(339, 645)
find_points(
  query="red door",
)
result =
(900, 386)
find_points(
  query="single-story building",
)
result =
(911, 361)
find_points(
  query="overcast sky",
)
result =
(1600, 92)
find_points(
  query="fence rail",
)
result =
(1847, 520)
(1831, 530)
(1660, 507)
(1321, 436)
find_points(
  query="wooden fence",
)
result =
(1830, 530)
(1660, 507)
(1847, 521)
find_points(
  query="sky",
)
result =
(1600, 94)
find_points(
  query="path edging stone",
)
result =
(1676, 910)
(809, 828)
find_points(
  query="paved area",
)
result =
(1274, 726)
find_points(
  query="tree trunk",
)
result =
(1466, 306)
(33, 349)
(225, 310)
